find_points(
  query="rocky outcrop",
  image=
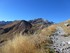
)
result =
(41, 21)
(39, 24)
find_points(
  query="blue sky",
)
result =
(52, 10)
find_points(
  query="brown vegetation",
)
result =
(37, 43)
(23, 44)
(49, 31)
(65, 28)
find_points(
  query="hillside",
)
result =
(66, 26)
(36, 43)
(22, 27)
(7, 32)
(32, 36)
(16, 27)
(39, 24)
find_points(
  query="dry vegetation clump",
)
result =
(65, 28)
(49, 31)
(23, 44)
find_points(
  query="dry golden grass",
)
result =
(36, 43)
(24, 44)
(65, 28)
(49, 31)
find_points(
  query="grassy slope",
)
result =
(37, 43)
(65, 28)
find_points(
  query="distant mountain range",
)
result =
(2, 23)
(19, 25)
(35, 21)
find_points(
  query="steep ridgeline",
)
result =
(39, 24)
(15, 27)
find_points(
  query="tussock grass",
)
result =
(49, 31)
(65, 28)
(23, 44)
(36, 43)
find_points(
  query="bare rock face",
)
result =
(16, 27)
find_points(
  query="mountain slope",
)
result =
(15, 27)
(39, 24)
(66, 26)
(22, 27)
(8, 31)
(38, 32)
